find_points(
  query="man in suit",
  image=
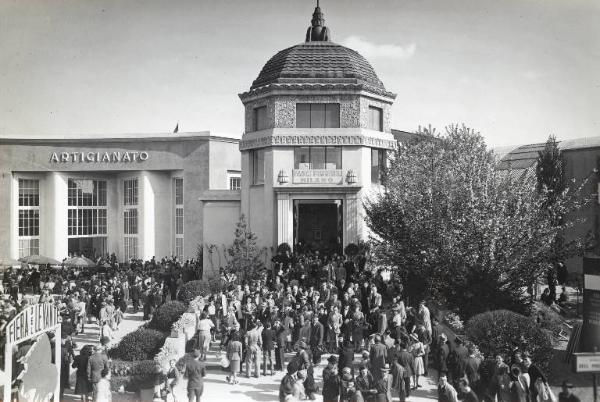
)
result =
(472, 369)
(384, 385)
(458, 358)
(96, 364)
(406, 360)
(253, 343)
(268, 347)
(377, 357)
(316, 339)
(280, 337)
(398, 373)
(442, 353)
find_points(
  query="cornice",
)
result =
(271, 138)
(328, 88)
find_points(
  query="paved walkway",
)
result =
(92, 337)
(265, 388)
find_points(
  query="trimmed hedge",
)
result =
(133, 375)
(141, 344)
(192, 289)
(502, 331)
(166, 315)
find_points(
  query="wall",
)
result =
(223, 156)
(354, 109)
(184, 156)
(219, 228)
(580, 164)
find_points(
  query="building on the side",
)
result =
(317, 130)
(135, 195)
(581, 157)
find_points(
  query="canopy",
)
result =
(39, 260)
(8, 262)
(79, 262)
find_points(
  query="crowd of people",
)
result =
(307, 306)
(84, 295)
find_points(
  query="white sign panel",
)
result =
(587, 363)
(317, 176)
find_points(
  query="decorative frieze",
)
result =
(304, 139)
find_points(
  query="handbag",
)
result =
(224, 362)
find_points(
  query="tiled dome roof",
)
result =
(318, 62)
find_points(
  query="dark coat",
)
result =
(346, 359)
(96, 363)
(316, 334)
(407, 360)
(442, 358)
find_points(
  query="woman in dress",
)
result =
(334, 328)
(234, 355)
(204, 327)
(418, 351)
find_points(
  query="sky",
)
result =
(515, 70)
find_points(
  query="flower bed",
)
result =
(181, 331)
(132, 376)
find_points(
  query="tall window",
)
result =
(375, 118)
(130, 192)
(378, 164)
(317, 115)
(87, 213)
(179, 228)
(29, 217)
(260, 118)
(130, 218)
(258, 166)
(318, 158)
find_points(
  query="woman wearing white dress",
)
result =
(418, 351)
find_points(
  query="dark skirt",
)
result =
(82, 386)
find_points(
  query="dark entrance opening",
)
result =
(318, 226)
(90, 247)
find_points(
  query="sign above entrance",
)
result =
(99, 157)
(317, 176)
(32, 321)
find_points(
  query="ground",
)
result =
(265, 388)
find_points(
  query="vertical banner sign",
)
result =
(591, 304)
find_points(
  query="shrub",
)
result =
(283, 247)
(547, 318)
(189, 291)
(502, 331)
(133, 375)
(351, 249)
(141, 344)
(167, 314)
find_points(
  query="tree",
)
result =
(245, 256)
(460, 230)
(550, 170)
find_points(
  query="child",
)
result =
(103, 393)
(118, 317)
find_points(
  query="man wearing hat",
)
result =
(348, 392)
(331, 380)
(286, 387)
(384, 385)
(567, 395)
(377, 357)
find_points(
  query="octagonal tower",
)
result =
(317, 130)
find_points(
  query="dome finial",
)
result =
(318, 31)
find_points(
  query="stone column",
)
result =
(351, 220)
(54, 239)
(285, 224)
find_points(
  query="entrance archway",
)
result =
(318, 225)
